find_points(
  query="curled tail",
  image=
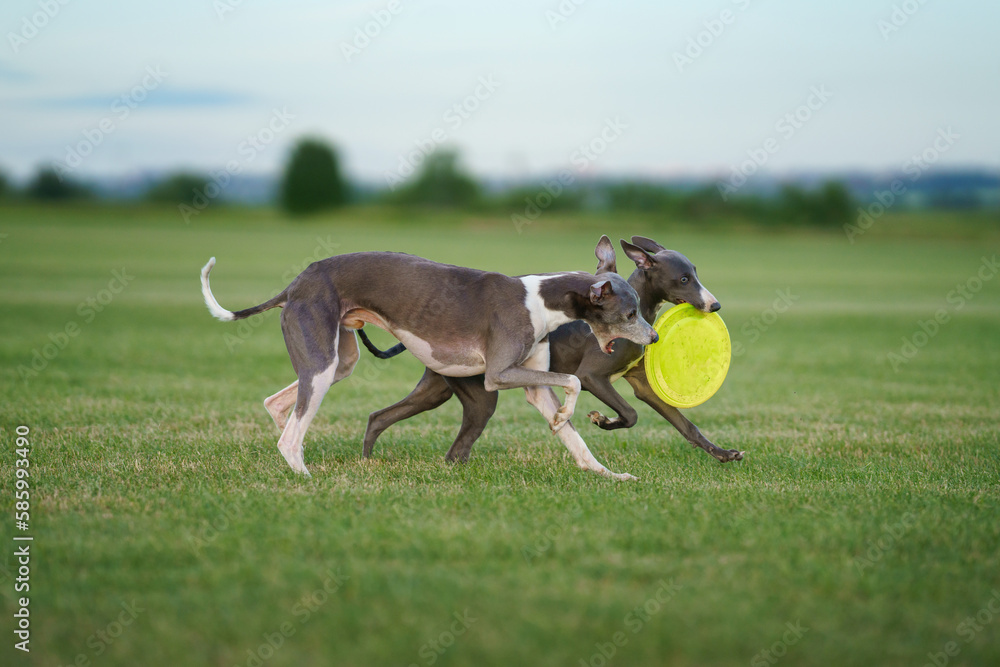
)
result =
(227, 315)
(398, 348)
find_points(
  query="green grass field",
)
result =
(863, 527)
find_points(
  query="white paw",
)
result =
(296, 462)
(617, 476)
(561, 418)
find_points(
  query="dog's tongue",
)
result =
(608, 347)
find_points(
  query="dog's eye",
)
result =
(631, 315)
(684, 280)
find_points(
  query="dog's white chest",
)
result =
(543, 319)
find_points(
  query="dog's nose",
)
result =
(656, 338)
(715, 306)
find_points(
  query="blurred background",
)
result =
(769, 112)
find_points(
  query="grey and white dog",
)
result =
(661, 276)
(457, 321)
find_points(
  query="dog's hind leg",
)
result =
(278, 405)
(640, 385)
(306, 406)
(432, 390)
(347, 353)
(313, 349)
(478, 406)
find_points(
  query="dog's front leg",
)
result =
(546, 402)
(541, 396)
(518, 376)
(600, 386)
(640, 385)
(534, 372)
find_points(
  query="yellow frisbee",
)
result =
(690, 361)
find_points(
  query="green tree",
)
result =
(440, 183)
(312, 179)
(639, 196)
(48, 186)
(830, 205)
(180, 188)
(836, 205)
(704, 203)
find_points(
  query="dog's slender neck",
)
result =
(650, 296)
(566, 294)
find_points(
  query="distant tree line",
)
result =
(313, 181)
(442, 183)
(44, 186)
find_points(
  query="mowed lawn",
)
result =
(862, 528)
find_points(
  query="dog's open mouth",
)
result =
(608, 349)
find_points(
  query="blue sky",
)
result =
(553, 81)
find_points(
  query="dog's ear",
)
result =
(649, 245)
(606, 259)
(642, 259)
(600, 291)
